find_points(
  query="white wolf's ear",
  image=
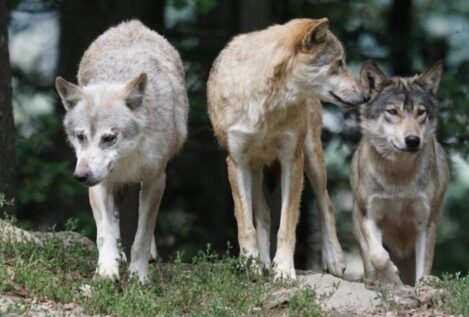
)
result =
(430, 79)
(135, 90)
(371, 77)
(317, 33)
(69, 93)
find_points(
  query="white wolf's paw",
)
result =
(284, 270)
(333, 260)
(109, 269)
(140, 270)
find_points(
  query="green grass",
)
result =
(456, 299)
(211, 285)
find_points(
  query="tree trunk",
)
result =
(400, 36)
(7, 125)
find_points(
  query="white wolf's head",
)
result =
(101, 124)
(402, 113)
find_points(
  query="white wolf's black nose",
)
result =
(82, 177)
(412, 141)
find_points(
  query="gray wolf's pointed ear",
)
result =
(430, 79)
(371, 77)
(317, 33)
(69, 93)
(135, 90)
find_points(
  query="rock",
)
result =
(341, 295)
(9, 232)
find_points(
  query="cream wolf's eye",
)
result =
(340, 63)
(392, 111)
(421, 112)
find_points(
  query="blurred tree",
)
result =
(7, 126)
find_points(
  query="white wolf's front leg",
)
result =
(150, 197)
(108, 234)
(291, 182)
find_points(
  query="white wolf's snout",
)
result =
(92, 169)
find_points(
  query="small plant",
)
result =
(5, 202)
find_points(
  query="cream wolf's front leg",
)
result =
(240, 178)
(291, 182)
(333, 260)
(261, 216)
(108, 233)
(151, 192)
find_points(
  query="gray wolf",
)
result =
(399, 175)
(126, 118)
(264, 93)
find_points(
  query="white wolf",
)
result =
(126, 119)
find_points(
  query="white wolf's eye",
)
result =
(108, 138)
(80, 136)
(421, 112)
(340, 63)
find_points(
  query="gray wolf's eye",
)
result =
(108, 138)
(421, 112)
(81, 137)
(392, 112)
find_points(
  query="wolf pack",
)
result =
(126, 118)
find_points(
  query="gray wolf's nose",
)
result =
(82, 176)
(366, 98)
(412, 141)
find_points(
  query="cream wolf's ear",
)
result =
(69, 93)
(317, 33)
(135, 90)
(430, 79)
(371, 76)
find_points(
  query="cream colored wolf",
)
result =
(398, 175)
(263, 95)
(125, 120)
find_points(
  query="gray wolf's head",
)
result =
(401, 115)
(320, 65)
(101, 124)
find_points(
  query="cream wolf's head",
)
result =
(101, 124)
(320, 67)
(401, 115)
